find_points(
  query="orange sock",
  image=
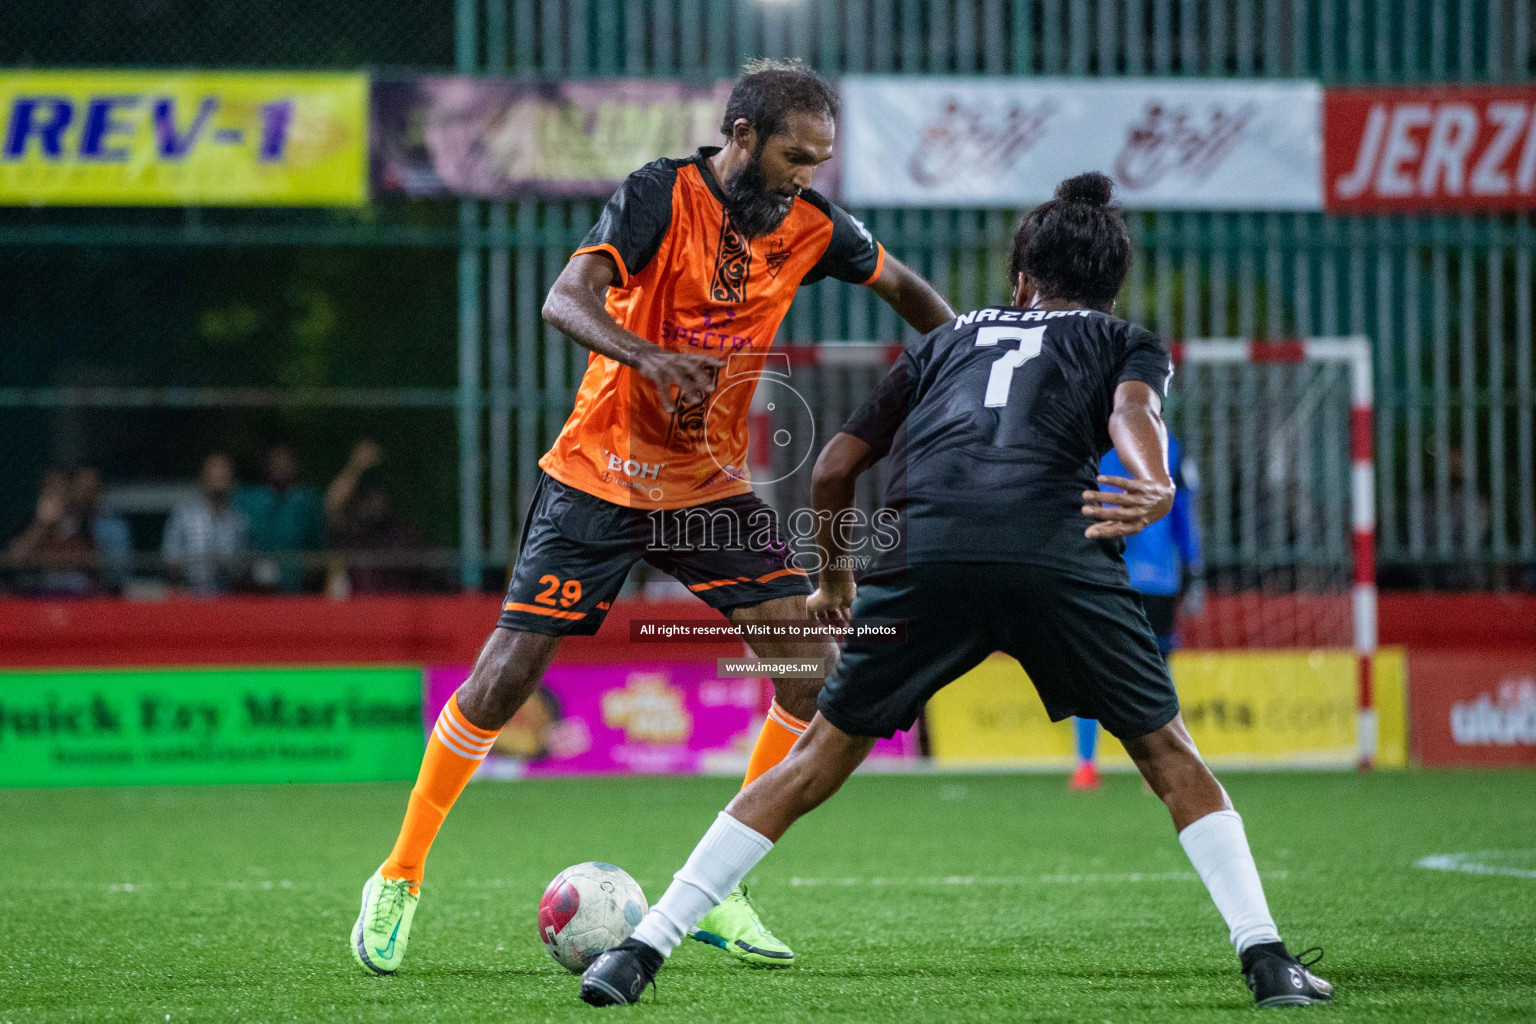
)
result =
(454, 750)
(773, 743)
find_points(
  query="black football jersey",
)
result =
(995, 424)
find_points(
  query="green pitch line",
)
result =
(928, 898)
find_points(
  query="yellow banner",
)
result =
(128, 138)
(1279, 708)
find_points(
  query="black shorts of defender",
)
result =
(1086, 646)
(1162, 613)
(576, 550)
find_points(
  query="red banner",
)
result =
(1418, 149)
(1473, 708)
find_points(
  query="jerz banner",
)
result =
(1420, 149)
(145, 138)
(629, 718)
(498, 138)
(1006, 142)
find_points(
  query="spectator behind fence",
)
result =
(363, 523)
(109, 534)
(71, 548)
(205, 538)
(284, 520)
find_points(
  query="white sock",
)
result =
(721, 860)
(1218, 848)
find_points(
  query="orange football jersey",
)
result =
(689, 281)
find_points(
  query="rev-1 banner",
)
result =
(1192, 144)
(182, 138)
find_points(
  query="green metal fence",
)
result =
(439, 300)
(1339, 41)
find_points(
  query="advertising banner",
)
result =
(652, 718)
(1422, 149)
(1006, 142)
(1283, 708)
(144, 138)
(1473, 707)
(153, 726)
(441, 136)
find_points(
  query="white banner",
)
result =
(1202, 144)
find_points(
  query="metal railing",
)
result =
(1336, 40)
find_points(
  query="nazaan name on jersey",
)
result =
(977, 316)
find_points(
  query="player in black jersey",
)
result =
(995, 424)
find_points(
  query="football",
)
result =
(587, 909)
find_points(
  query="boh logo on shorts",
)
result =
(649, 709)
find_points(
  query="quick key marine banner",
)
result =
(109, 727)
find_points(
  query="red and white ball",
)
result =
(587, 909)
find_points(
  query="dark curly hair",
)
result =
(768, 91)
(1074, 247)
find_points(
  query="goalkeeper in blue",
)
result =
(1163, 562)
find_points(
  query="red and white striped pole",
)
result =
(1363, 518)
(1362, 505)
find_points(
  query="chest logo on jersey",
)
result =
(733, 265)
(776, 258)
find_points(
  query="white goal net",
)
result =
(1277, 438)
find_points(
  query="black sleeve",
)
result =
(877, 420)
(1146, 359)
(852, 255)
(635, 220)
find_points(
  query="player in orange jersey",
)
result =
(678, 291)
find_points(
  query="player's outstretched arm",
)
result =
(575, 306)
(913, 299)
(838, 468)
(1136, 427)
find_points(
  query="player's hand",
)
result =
(52, 505)
(692, 373)
(365, 455)
(831, 601)
(1142, 503)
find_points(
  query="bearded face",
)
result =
(756, 209)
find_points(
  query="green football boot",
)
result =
(384, 924)
(735, 927)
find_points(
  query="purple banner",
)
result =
(629, 718)
(499, 138)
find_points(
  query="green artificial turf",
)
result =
(909, 898)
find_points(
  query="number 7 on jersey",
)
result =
(1000, 380)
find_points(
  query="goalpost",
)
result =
(1278, 452)
(1280, 435)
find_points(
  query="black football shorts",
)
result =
(1162, 613)
(1086, 646)
(576, 550)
